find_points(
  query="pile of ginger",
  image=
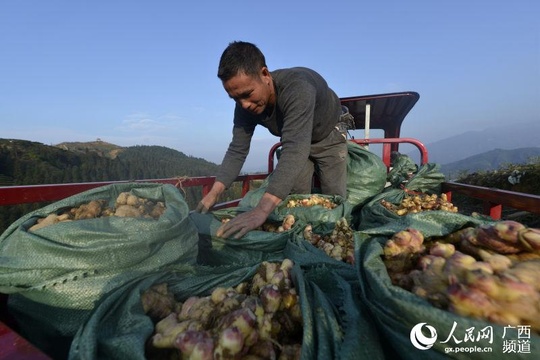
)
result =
(126, 205)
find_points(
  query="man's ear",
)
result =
(265, 73)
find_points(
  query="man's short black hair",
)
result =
(240, 57)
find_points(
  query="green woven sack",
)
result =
(430, 223)
(427, 180)
(315, 213)
(118, 328)
(366, 175)
(404, 318)
(71, 264)
(402, 168)
(309, 214)
(253, 247)
(56, 274)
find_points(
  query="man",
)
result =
(295, 104)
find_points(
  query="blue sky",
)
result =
(134, 72)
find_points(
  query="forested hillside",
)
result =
(28, 163)
(147, 162)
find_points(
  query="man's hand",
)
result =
(201, 208)
(211, 198)
(242, 224)
(250, 220)
(204, 205)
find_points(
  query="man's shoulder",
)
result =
(297, 70)
(297, 76)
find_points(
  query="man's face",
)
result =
(253, 93)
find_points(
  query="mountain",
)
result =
(489, 161)
(25, 162)
(164, 161)
(507, 137)
(101, 148)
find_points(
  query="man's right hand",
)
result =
(201, 208)
(211, 198)
(206, 203)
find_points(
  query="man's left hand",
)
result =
(242, 223)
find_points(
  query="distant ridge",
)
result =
(100, 147)
(24, 162)
(490, 160)
(510, 136)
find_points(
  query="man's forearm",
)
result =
(218, 188)
(211, 198)
(268, 203)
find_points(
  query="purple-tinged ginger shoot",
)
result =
(408, 241)
(498, 262)
(527, 272)
(231, 341)
(271, 298)
(204, 350)
(529, 238)
(442, 249)
(506, 230)
(187, 340)
(471, 302)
